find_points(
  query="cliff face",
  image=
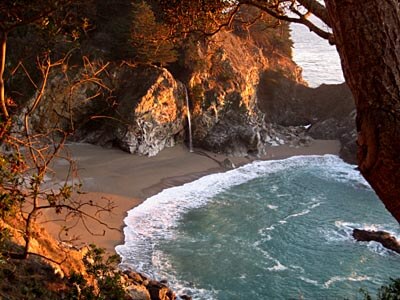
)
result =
(140, 109)
(60, 271)
(148, 112)
(226, 117)
(328, 110)
(245, 94)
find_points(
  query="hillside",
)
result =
(118, 79)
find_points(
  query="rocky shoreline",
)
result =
(140, 287)
(245, 103)
(241, 101)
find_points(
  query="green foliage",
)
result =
(11, 166)
(29, 279)
(5, 236)
(390, 291)
(150, 39)
(191, 57)
(103, 270)
(110, 38)
(37, 30)
(268, 33)
(194, 15)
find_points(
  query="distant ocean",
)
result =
(319, 60)
(268, 230)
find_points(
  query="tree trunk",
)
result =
(367, 35)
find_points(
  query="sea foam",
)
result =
(155, 219)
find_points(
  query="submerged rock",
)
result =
(159, 291)
(385, 238)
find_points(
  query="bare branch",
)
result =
(316, 9)
(301, 20)
(3, 51)
(226, 24)
(20, 64)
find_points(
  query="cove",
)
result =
(268, 230)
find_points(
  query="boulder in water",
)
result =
(385, 238)
(159, 291)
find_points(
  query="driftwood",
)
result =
(388, 241)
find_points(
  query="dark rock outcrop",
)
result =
(288, 103)
(343, 130)
(231, 135)
(140, 287)
(148, 112)
(159, 291)
(329, 110)
(385, 238)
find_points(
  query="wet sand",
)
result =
(127, 180)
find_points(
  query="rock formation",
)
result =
(328, 110)
(385, 238)
(142, 288)
(140, 109)
(149, 113)
(245, 94)
(225, 94)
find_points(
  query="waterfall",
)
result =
(189, 120)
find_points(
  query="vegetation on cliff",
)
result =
(61, 31)
(80, 46)
(359, 36)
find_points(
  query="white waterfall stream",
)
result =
(189, 120)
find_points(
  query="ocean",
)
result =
(268, 230)
(319, 60)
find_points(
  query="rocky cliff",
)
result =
(148, 112)
(62, 271)
(139, 109)
(327, 111)
(245, 94)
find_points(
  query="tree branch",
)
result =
(317, 9)
(301, 20)
(220, 26)
(3, 50)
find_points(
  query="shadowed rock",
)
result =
(388, 241)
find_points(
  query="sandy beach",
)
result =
(127, 180)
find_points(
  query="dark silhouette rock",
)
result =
(289, 103)
(329, 109)
(159, 291)
(388, 241)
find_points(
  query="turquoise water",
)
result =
(269, 230)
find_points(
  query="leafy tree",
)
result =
(390, 291)
(151, 40)
(366, 34)
(111, 34)
(103, 270)
(51, 21)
